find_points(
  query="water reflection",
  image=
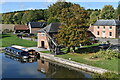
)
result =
(22, 60)
(36, 68)
(55, 71)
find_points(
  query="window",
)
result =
(42, 61)
(103, 31)
(103, 27)
(98, 33)
(98, 27)
(110, 33)
(110, 27)
(42, 34)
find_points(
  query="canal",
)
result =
(36, 68)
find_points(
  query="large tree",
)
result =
(118, 9)
(55, 9)
(117, 12)
(107, 12)
(73, 30)
(94, 16)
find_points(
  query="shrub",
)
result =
(24, 35)
(7, 31)
(108, 54)
(107, 76)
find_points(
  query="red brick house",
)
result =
(35, 26)
(21, 29)
(106, 28)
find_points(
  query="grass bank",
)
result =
(111, 65)
(45, 51)
(11, 39)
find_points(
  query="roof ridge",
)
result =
(50, 26)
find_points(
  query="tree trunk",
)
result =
(68, 50)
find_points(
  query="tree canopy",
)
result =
(107, 12)
(73, 30)
(94, 16)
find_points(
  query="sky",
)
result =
(15, 5)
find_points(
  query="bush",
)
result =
(107, 76)
(7, 31)
(35, 37)
(24, 35)
(86, 43)
(108, 54)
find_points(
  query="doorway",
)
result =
(42, 44)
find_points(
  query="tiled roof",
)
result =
(21, 27)
(107, 22)
(51, 28)
(37, 24)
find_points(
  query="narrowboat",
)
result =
(32, 52)
(21, 51)
(17, 52)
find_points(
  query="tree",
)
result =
(8, 18)
(73, 30)
(55, 9)
(61, 1)
(118, 9)
(18, 17)
(24, 18)
(93, 17)
(107, 12)
(52, 20)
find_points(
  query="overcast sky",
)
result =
(15, 5)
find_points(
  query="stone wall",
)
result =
(73, 64)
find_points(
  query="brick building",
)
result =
(46, 36)
(106, 28)
(21, 29)
(35, 26)
(48, 31)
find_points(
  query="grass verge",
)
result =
(11, 39)
(111, 65)
(45, 51)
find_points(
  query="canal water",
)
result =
(36, 68)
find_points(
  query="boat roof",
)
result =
(18, 50)
(19, 47)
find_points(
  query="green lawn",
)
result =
(96, 44)
(111, 65)
(10, 39)
(45, 51)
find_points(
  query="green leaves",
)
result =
(108, 12)
(72, 32)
